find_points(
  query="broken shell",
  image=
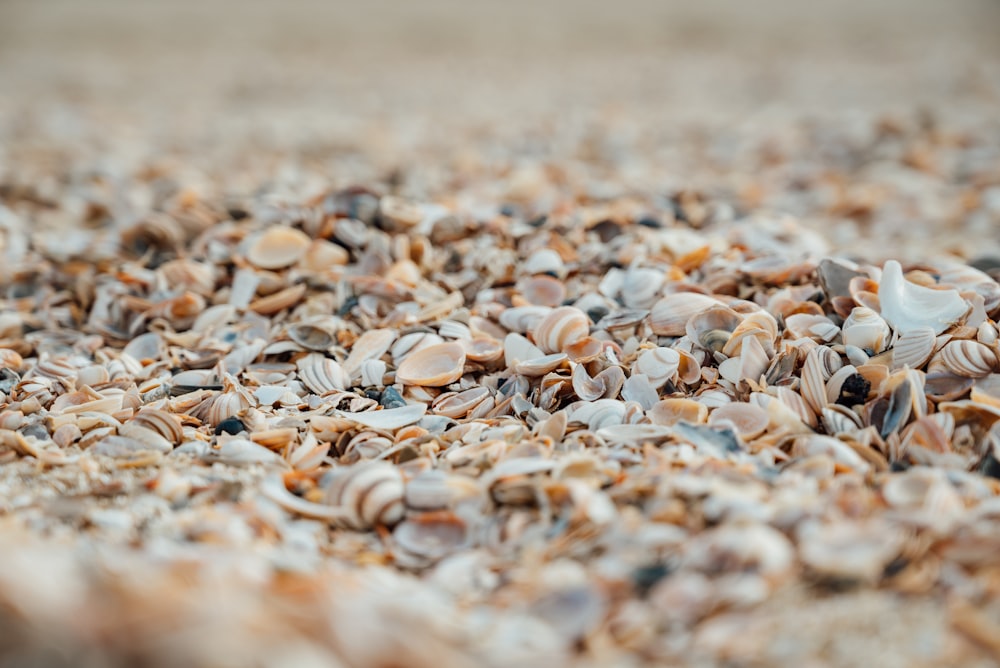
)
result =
(712, 327)
(671, 411)
(561, 328)
(906, 305)
(322, 375)
(278, 247)
(434, 366)
(658, 364)
(459, 404)
(165, 424)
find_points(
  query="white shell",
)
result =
(913, 348)
(906, 305)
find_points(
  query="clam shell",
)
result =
(459, 404)
(311, 337)
(669, 315)
(434, 366)
(986, 390)
(712, 327)
(322, 375)
(913, 348)
(561, 328)
(388, 419)
(658, 364)
(523, 319)
(605, 385)
(969, 359)
(371, 345)
(277, 247)
(371, 493)
(542, 290)
(641, 286)
(165, 424)
(906, 305)
(749, 420)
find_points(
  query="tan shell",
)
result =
(434, 366)
(969, 359)
(278, 247)
(165, 424)
(322, 375)
(371, 345)
(322, 254)
(542, 290)
(913, 348)
(749, 420)
(561, 328)
(986, 390)
(671, 411)
(866, 329)
(712, 327)
(458, 404)
(371, 493)
(669, 315)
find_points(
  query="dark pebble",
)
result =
(391, 398)
(646, 577)
(230, 425)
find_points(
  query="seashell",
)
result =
(797, 404)
(371, 345)
(459, 404)
(434, 366)
(635, 434)
(839, 419)
(311, 337)
(120, 447)
(945, 386)
(712, 327)
(483, 349)
(388, 419)
(585, 350)
(669, 315)
(965, 358)
(146, 347)
(641, 286)
(605, 385)
(153, 440)
(964, 277)
(275, 439)
(542, 290)
(279, 301)
(986, 390)
(322, 254)
(671, 411)
(749, 420)
(598, 414)
(518, 349)
(544, 261)
(539, 366)
(835, 277)
(371, 493)
(809, 325)
(523, 319)
(906, 305)
(220, 406)
(427, 538)
(198, 277)
(277, 247)
(243, 289)
(322, 375)
(93, 375)
(866, 329)
(560, 328)
(163, 423)
(913, 348)
(242, 452)
(638, 389)
(840, 452)
(658, 364)
(760, 325)
(411, 343)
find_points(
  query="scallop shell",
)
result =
(434, 366)
(669, 315)
(278, 247)
(371, 493)
(322, 375)
(866, 329)
(561, 328)
(913, 348)
(969, 359)
(906, 305)
(658, 364)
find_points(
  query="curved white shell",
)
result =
(913, 348)
(906, 305)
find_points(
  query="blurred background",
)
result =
(653, 94)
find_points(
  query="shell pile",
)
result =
(360, 371)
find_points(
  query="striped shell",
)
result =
(669, 315)
(322, 375)
(561, 328)
(658, 364)
(371, 493)
(913, 348)
(969, 359)
(434, 366)
(165, 424)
